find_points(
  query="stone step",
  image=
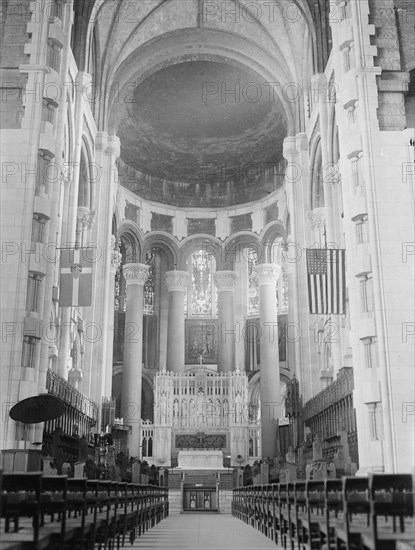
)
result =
(201, 477)
(175, 501)
(225, 501)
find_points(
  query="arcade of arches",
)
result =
(200, 147)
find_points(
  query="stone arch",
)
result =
(235, 245)
(165, 242)
(207, 243)
(273, 231)
(170, 49)
(129, 237)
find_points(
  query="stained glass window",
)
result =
(282, 294)
(149, 284)
(253, 289)
(118, 276)
(203, 291)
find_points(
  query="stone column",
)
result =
(176, 282)
(135, 276)
(267, 277)
(115, 261)
(225, 282)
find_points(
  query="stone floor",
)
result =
(203, 532)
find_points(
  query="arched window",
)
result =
(201, 296)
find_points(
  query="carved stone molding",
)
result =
(85, 218)
(116, 255)
(316, 218)
(135, 274)
(176, 280)
(225, 280)
(266, 274)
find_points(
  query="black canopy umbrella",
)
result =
(39, 408)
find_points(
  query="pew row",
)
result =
(352, 513)
(56, 512)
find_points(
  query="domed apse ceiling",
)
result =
(185, 125)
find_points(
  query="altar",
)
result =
(200, 460)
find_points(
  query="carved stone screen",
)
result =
(200, 441)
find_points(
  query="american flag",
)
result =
(76, 276)
(326, 280)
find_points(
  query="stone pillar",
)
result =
(267, 277)
(225, 282)
(115, 261)
(135, 276)
(176, 282)
(297, 181)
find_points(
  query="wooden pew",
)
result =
(276, 513)
(54, 503)
(268, 512)
(300, 518)
(285, 516)
(356, 514)
(333, 489)
(391, 506)
(56, 512)
(22, 499)
(313, 534)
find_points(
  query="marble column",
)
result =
(267, 277)
(225, 282)
(176, 282)
(135, 276)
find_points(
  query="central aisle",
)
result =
(203, 532)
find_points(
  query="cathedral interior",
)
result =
(168, 169)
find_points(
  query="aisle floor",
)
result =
(203, 532)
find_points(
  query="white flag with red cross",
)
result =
(76, 276)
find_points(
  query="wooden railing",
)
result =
(372, 513)
(332, 411)
(341, 388)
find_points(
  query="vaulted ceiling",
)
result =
(165, 69)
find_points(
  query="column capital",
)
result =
(135, 274)
(85, 217)
(266, 274)
(176, 280)
(225, 280)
